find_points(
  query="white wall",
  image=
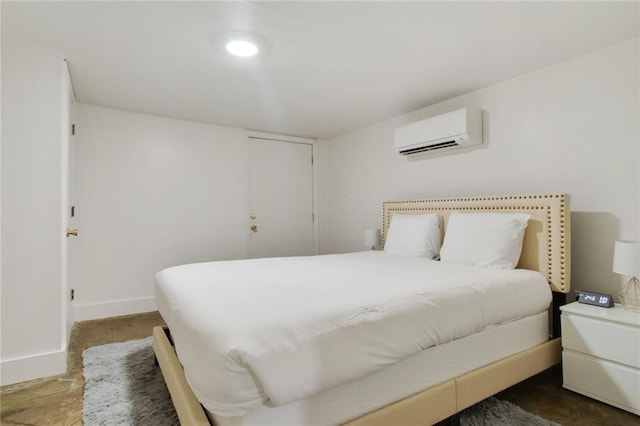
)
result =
(572, 128)
(33, 303)
(150, 192)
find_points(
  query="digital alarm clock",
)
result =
(596, 299)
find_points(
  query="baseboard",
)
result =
(115, 308)
(33, 367)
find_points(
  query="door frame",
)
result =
(67, 174)
(314, 170)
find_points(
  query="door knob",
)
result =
(254, 228)
(73, 232)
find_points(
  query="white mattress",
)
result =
(402, 379)
(278, 330)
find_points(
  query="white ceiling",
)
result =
(330, 67)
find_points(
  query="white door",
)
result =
(280, 198)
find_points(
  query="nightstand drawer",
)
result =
(603, 339)
(605, 381)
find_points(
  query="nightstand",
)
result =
(601, 354)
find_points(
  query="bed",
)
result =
(377, 374)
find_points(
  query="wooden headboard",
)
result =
(547, 241)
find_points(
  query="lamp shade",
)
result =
(372, 237)
(626, 258)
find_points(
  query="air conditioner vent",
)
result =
(429, 147)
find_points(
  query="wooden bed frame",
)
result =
(546, 248)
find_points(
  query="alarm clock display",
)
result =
(596, 299)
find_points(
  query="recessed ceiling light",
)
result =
(242, 47)
(243, 44)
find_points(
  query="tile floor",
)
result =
(58, 400)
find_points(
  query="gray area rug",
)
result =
(496, 412)
(123, 386)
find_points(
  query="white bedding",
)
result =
(402, 379)
(277, 330)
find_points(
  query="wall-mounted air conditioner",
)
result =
(456, 129)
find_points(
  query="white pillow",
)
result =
(414, 235)
(491, 240)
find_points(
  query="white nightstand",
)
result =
(601, 354)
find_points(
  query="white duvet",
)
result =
(276, 330)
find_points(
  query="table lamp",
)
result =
(626, 261)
